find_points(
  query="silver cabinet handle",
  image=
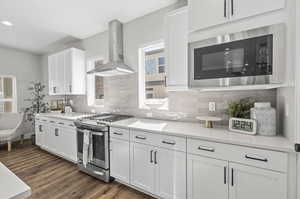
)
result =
(155, 157)
(225, 175)
(61, 123)
(204, 148)
(151, 156)
(232, 177)
(168, 142)
(44, 120)
(52, 122)
(56, 132)
(72, 125)
(225, 8)
(232, 7)
(115, 133)
(54, 89)
(140, 137)
(70, 88)
(256, 158)
(40, 128)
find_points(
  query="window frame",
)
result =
(161, 104)
(14, 98)
(90, 84)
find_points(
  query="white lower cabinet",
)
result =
(170, 174)
(218, 179)
(207, 178)
(249, 182)
(120, 159)
(58, 137)
(159, 171)
(143, 167)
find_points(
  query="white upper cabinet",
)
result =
(177, 49)
(208, 13)
(244, 8)
(67, 72)
(250, 182)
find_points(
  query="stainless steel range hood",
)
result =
(116, 65)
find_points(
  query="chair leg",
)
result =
(9, 146)
(22, 139)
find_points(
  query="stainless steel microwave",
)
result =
(254, 56)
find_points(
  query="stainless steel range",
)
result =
(93, 144)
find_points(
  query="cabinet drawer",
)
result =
(259, 158)
(143, 137)
(205, 148)
(119, 133)
(250, 156)
(171, 142)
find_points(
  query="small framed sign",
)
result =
(245, 126)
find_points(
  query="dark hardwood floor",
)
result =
(51, 177)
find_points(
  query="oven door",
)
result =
(99, 149)
(98, 153)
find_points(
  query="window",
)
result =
(152, 77)
(95, 85)
(8, 94)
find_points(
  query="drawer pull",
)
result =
(51, 121)
(44, 120)
(61, 123)
(168, 142)
(204, 148)
(72, 125)
(155, 157)
(140, 137)
(258, 159)
(115, 133)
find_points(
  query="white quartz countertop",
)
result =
(196, 130)
(11, 187)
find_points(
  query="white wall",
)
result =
(26, 67)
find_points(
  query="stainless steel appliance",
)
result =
(249, 57)
(116, 65)
(93, 159)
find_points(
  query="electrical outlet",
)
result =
(212, 106)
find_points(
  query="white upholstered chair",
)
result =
(10, 130)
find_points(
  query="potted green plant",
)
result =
(37, 103)
(241, 108)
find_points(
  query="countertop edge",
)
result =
(201, 137)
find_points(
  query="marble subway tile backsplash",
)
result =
(121, 95)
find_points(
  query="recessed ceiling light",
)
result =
(7, 23)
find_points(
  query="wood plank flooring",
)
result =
(51, 177)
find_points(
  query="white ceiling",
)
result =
(40, 23)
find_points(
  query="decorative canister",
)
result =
(265, 116)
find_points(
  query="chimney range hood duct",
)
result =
(116, 65)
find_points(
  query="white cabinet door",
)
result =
(52, 81)
(40, 134)
(142, 167)
(120, 159)
(206, 13)
(60, 73)
(207, 178)
(170, 174)
(251, 182)
(244, 8)
(68, 71)
(177, 49)
(67, 140)
(78, 71)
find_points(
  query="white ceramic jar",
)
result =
(265, 116)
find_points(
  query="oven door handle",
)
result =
(97, 133)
